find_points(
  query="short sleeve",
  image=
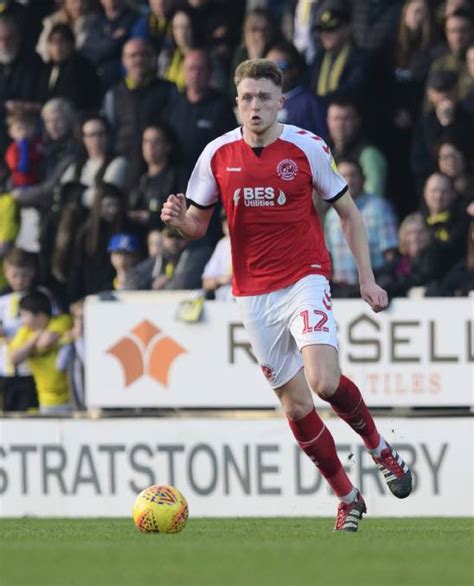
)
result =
(326, 178)
(19, 339)
(202, 190)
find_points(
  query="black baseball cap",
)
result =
(330, 19)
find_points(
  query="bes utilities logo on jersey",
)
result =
(254, 197)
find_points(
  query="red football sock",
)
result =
(349, 404)
(316, 441)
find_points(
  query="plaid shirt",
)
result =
(381, 227)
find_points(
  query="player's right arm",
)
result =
(191, 223)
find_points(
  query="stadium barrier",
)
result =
(418, 353)
(225, 467)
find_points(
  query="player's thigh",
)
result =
(322, 370)
(270, 337)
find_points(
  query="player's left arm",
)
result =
(356, 236)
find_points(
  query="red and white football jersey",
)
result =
(275, 231)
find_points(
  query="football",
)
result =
(160, 509)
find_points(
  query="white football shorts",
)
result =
(281, 323)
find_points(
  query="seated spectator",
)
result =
(381, 229)
(158, 270)
(96, 163)
(446, 119)
(217, 275)
(347, 141)
(83, 20)
(24, 154)
(183, 38)
(19, 73)
(260, 31)
(124, 252)
(16, 384)
(163, 177)
(453, 162)
(412, 266)
(459, 280)
(301, 107)
(155, 26)
(134, 103)
(468, 97)
(339, 68)
(374, 24)
(58, 150)
(90, 269)
(201, 113)
(9, 228)
(68, 74)
(447, 223)
(37, 342)
(459, 34)
(71, 357)
(115, 25)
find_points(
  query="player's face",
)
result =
(258, 102)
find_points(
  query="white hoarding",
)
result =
(417, 353)
(225, 467)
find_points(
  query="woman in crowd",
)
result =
(453, 162)
(96, 163)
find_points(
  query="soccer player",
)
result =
(264, 174)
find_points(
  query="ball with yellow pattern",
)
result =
(160, 509)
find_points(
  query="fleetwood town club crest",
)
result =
(287, 169)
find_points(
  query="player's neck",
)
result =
(262, 139)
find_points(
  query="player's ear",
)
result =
(281, 101)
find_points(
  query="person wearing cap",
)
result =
(124, 252)
(339, 68)
(445, 118)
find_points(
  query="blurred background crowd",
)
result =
(105, 106)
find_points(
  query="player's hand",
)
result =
(173, 211)
(374, 295)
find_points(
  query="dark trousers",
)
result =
(18, 393)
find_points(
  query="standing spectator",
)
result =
(348, 141)
(9, 228)
(468, 87)
(155, 26)
(116, 24)
(171, 59)
(124, 252)
(374, 23)
(381, 229)
(201, 113)
(97, 163)
(37, 342)
(134, 103)
(16, 384)
(304, 19)
(163, 176)
(19, 72)
(339, 68)
(453, 162)
(301, 106)
(67, 73)
(83, 20)
(90, 268)
(71, 357)
(446, 119)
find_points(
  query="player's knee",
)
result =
(323, 384)
(296, 407)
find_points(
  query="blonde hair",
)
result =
(258, 69)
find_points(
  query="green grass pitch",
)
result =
(231, 552)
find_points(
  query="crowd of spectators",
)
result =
(105, 106)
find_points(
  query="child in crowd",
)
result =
(37, 342)
(124, 255)
(23, 156)
(16, 383)
(71, 356)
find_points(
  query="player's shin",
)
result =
(349, 404)
(316, 441)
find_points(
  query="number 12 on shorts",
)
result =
(320, 320)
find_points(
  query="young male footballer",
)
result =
(264, 174)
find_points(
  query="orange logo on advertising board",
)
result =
(143, 351)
